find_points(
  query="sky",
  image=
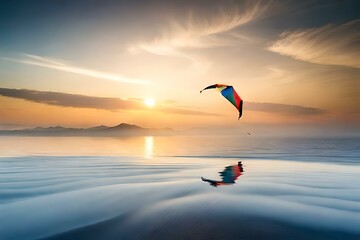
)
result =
(87, 63)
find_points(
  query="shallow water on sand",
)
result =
(151, 188)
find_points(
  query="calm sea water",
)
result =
(151, 188)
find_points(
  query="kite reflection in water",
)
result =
(229, 175)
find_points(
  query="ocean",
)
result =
(152, 188)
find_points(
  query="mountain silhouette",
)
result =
(118, 130)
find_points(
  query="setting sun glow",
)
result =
(149, 102)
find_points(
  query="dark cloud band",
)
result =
(69, 100)
(83, 101)
(283, 108)
(112, 104)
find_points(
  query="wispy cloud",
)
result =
(203, 31)
(67, 67)
(283, 108)
(329, 44)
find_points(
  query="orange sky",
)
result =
(100, 68)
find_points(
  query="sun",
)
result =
(149, 102)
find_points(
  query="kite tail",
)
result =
(240, 109)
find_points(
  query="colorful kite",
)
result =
(229, 175)
(229, 93)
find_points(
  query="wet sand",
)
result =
(163, 197)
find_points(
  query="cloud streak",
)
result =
(69, 100)
(114, 104)
(83, 101)
(40, 61)
(328, 45)
(203, 32)
(283, 108)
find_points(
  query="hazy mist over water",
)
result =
(150, 188)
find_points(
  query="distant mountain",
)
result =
(118, 130)
(125, 126)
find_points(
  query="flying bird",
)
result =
(230, 94)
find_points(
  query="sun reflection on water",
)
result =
(148, 146)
